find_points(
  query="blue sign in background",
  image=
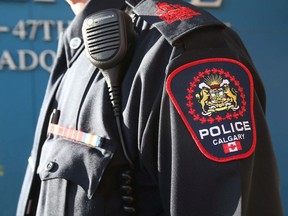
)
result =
(28, 33)
(26, 54)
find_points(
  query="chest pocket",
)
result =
(80, 164)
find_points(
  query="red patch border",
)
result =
(194, 136)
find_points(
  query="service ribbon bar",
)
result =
(75, 135)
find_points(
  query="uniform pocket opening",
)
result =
(80, 164)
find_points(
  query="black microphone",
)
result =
(109, 39)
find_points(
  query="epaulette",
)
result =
(174, 18)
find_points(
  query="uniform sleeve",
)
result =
(215, 155)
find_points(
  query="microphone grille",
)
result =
(103, 40)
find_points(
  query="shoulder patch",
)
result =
(174, 18)
(215, 99)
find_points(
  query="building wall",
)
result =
(28, 39)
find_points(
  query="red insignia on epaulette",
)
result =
(215, 98)
(173, 12)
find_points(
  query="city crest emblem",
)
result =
(216, 95)
(215, 99)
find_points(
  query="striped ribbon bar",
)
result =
(75, 135)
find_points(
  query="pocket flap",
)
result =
(75, 162)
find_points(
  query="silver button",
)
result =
(50, 166)
(75, 43)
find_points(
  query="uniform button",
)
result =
(50, 166)
(75, 43)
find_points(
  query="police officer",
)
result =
(192, 138)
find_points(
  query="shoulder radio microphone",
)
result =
(109, 39)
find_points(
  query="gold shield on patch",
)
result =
(216, 95)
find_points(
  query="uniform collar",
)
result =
(73, 40)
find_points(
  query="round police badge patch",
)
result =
(215, 98)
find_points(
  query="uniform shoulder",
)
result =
(174, 18)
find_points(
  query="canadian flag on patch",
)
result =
(232, 147)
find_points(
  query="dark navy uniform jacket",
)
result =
(193, 116)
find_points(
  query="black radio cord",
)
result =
(127, 177)
(114, 93)
(109, 37)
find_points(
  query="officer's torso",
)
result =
(82, 159)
